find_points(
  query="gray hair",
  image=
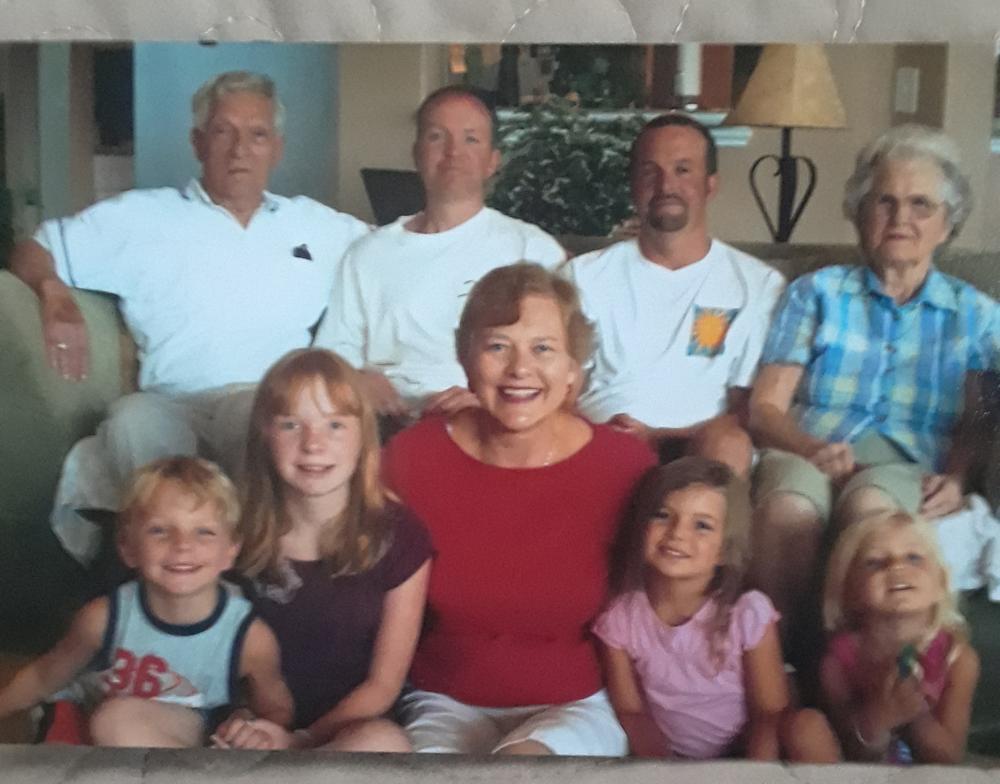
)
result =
(909, 142)
(231, 82)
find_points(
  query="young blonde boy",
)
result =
(162, 656)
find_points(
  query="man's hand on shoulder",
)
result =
(632, 426)
(383, 394)
(450, 401)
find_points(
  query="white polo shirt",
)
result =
(208, 302)
(396, 304)
(671, 342)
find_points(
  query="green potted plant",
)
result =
(565, 169)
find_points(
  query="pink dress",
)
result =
(700, 708)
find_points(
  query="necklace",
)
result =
(548, 456)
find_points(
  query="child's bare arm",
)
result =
(260, 664)
(767, 695)
(644, 737)
(939, 735)
(55, 669)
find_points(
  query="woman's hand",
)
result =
(836, 460)
(941, 494)
(240, 731)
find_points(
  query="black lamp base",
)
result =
(787, 173)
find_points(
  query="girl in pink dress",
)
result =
(898, 676)
(693, 663)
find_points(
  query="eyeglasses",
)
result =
(919, 207)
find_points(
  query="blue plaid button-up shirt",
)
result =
(874, 366)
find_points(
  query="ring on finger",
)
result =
(62, 346)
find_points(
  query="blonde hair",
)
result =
(628, 566)
(362, 537)
(195, 476)
(840, 611)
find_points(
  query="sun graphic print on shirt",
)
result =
(708, 330)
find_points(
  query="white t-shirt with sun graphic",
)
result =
(671, 342)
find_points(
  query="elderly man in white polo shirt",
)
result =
(215, 282)
(395, 307)
(680, 317)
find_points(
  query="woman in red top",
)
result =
(522, 498)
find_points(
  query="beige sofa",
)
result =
(32, 765)
(41, 416)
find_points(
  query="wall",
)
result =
(167, 75)
(968, 118)
(352, 106)
(955, 93)
(19, 68)
(82, 127)
(863, 74)
(53, 120)
(377, 130)
(931, 61)
(49, 130)
(65, 128)
(381, 86)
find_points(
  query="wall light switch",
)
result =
(907, 90)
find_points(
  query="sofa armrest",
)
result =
(989, 478)
(41, 414)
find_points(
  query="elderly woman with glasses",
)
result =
(869, 388)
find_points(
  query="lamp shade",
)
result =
(791, 87)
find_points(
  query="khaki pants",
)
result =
(145, 426)
(887, 468)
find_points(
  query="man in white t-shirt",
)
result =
(680, 317)
(396, 304)
(215, 282)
